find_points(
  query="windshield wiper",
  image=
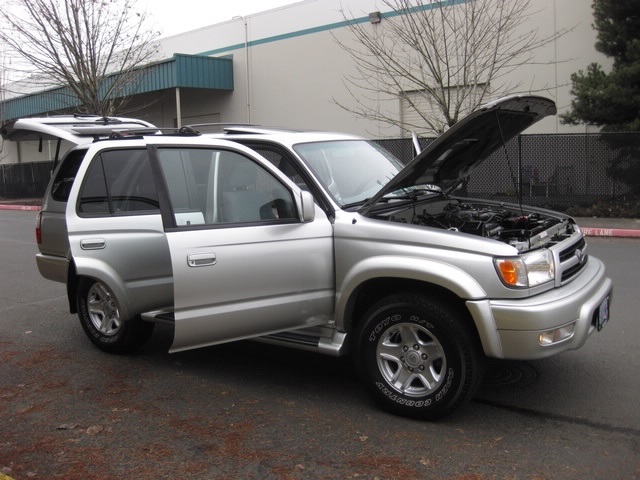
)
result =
(359, 203)
(411, 194)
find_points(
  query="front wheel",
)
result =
(99, 313)
(417, 357)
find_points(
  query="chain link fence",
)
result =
(555, 171)
(551, 170)
(24, 180)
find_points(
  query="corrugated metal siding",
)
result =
(48, 101)
(202, 72)
(184, 71)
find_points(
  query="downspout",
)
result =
(178, 109)
(246, 57)
(246, 65)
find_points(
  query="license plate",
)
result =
(603, 313)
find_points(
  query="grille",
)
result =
(572, 260)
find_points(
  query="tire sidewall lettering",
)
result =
(400, 400)
(382, 325)
(447, 385)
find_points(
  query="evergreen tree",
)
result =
(611, 100)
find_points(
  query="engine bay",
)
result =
(521, 228)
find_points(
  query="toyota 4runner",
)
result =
(322, 242)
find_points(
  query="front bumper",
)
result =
(511, 329)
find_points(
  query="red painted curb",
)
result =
(32, 208)
(610, 232)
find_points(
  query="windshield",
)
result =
(350, 170)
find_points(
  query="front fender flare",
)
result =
(447, 276)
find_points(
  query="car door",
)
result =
(115, 229)
(244, 263)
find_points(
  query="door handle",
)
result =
(201, 259)
(93, 243)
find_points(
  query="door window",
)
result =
(210, 187)
(66, 175)
(119, 182)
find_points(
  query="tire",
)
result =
(416, 356)
(99, 313)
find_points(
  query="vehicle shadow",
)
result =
(274, 367)
(262, 365)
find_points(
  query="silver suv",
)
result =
(322, 242)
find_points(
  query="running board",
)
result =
(334, 346)
(162, 317)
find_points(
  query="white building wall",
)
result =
(296, 69)
(293, 70)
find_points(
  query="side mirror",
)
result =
(308, 205)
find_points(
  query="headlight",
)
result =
(527, 270)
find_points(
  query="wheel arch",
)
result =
(100, 271)
(375, 277)
(372, 290)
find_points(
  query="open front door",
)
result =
(244, 263)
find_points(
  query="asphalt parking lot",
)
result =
(249, 410)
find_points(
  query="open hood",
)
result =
(448, 159)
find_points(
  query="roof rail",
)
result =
(239, 128)
(141, 132)
(255, 130)
(103, 118)
(219, 126)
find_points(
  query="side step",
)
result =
(334, 345)
(301, 339)
(161, 317)
(326, 341)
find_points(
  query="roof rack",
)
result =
(218, 126)
(141, 132)
(106, 120)
(239, 128)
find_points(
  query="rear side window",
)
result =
(119, 182)
(66, 175)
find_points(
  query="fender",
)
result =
(93, 268)
(442, 274)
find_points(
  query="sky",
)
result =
(172, 17)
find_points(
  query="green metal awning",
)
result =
(181, 71)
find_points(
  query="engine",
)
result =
(522, 229)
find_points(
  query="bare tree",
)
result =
(91, 51)
(442, 59)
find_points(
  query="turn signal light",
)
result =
(528, 270)
(509, 272)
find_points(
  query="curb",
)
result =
(610, 232)
(30, 208)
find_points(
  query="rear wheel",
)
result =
(417, 357)
(99, 313)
